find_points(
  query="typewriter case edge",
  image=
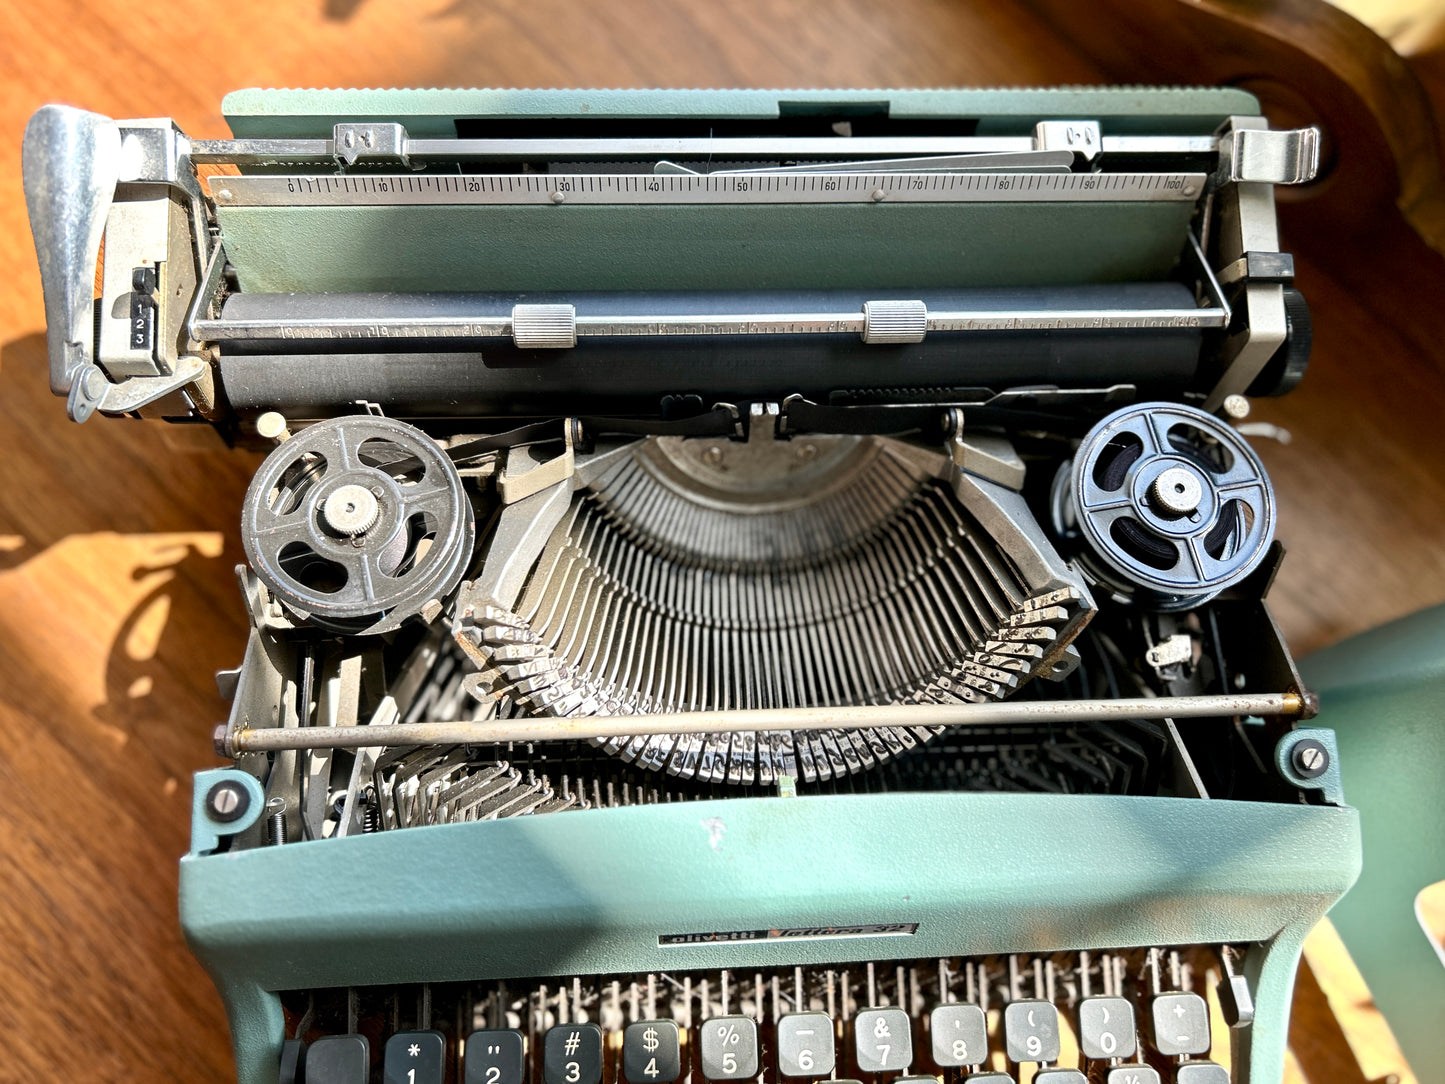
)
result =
(1210, 871)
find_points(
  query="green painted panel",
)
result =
(590, 892)
(1383, 693)
(872, 246)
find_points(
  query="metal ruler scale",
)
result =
(421, 189)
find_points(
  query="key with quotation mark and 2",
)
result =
(495, 1056)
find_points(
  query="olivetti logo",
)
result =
(791, 933)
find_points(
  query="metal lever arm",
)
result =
(70, 162)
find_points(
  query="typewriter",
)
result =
(744, 586)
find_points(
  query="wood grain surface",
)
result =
(117, 546)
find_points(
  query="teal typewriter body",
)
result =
(746, 585)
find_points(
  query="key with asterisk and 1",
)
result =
(572, 1054)
(415, 1057)
(651, 1052)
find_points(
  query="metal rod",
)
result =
(712, 325)
(783, 147)
(846, 717)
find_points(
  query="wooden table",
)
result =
(117, 545)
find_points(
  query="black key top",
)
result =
(494, 1056)
(293, 1057)
(651, 1052)
(339, 1059)
(572, 1054)
(415, 1057)
(1031, 1031)
(1132, 1074)
(1201, 1072)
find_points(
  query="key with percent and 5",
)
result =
(730, 1048)
(651, 1052)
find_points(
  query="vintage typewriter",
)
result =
(745, 586)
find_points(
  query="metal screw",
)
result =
(228, 801)
(1310, 758)
(713, 456)
(877, 195)
(1236, 407)
(807, 451)
(558, 197)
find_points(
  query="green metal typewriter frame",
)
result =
(592, 892)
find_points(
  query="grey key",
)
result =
(495, 1056)
(805, 1044)
(1106, 1028)
(1031, 1030)
(883, 1040)
(729, 1048)
(960, 1035)
(1181, 1024)
(1201, 1072)
(572, 1054)
(988, 1078)
(1132, 1074)
(293, 1053)
(1060, 1076)
(339, 1059)
(415, 1057)
(651, 1053)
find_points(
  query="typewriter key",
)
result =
(960, 1035)
(729, 1048)
(1031, 1031)
(805, 1044)
(339, 1059)
(1181, 1024)
(1132, 1074)
(495, 1056)
(415, 1057)
(1201, 1072)
(1060, 1076)
(572, 1054)
(1106, 1027)
(651, 1053)
(884, 1040)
